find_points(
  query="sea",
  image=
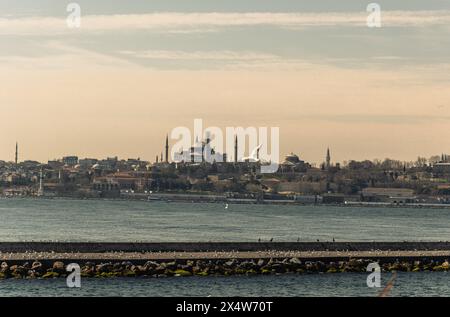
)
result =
(26, 219)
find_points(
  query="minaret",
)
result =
(41, 187)
(206, 145)
(161, 158)
(17, 153)
(328, 159)
(236, 149)
(157, 159)
(167, 149)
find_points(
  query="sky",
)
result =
(135, 70)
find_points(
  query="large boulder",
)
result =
(172, 266)
(150, 265)
(58, 267)
(180, 272)
(104, 268)
(295, 263)
(18, 271)
(36, 266)
(4, 267)
(230, 264)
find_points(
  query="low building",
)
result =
(391, 195)
(333, 198)
(308, 199)
(442, 167)
(87, 163)
(16, 191)
(70, 160)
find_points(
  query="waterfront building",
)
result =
(87, 163)
(391, 195)
(55, 164)
(441, 168)
(70, 160)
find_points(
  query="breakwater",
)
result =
(49, 259)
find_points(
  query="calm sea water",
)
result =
(107, 220)
(348, 284)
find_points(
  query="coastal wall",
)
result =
(89, 247)
(50, 259)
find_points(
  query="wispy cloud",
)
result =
(63, 56)
(202, 55)
(177, 21)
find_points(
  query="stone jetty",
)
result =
(49, 259)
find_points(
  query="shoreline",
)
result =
(242, 202)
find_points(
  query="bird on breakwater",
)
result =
(271, 240)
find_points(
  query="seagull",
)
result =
(226, 206)
(254, 156)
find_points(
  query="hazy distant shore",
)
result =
(189, 199)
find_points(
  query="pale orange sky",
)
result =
(126, 111)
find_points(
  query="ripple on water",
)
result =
(109, 220)
(348, 284)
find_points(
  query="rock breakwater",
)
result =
(185, 268)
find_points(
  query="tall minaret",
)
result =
(236, 149)
(41, 187)
(167, 149)
(17, 153)
(328, 159)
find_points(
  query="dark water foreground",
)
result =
(351, 284)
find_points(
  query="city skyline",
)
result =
(231, 157)
(136, 69)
